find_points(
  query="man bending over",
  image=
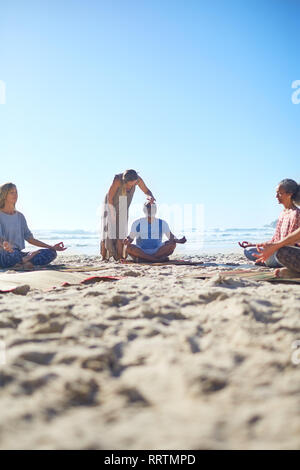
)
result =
(148, 232)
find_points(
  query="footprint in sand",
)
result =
(41, 358)
(133, 396)
(81, 392)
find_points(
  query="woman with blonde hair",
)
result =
(115, 212)
(14, 231)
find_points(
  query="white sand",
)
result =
(159, 360)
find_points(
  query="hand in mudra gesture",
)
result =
(246, 244)
(181, 240)
(59, 247)
(7, 247)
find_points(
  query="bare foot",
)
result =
(23, 267)
(28, 265)
(18, 266)
(30, 256)
(286, 273)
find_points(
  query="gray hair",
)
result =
(293, 188)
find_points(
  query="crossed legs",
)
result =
(165, 250)
(289, 256)
(18, 259)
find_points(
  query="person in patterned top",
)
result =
(287, 194)
(287, 254)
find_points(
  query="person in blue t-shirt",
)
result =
(148, 232)
(13, 233)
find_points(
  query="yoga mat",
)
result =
(18, 290)
(103, 266)
(46, 280)
(253, 275)
(173, 262)
(62, 268)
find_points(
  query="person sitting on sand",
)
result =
(13, 232)
(287, 194)
(287, 254)
(148, 232)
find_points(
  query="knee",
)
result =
(249, 252)
(8, 260)
(171, 244)
(53, 255)
(282, 253)
(130, 247)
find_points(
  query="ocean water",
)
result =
(210, 241)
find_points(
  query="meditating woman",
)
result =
(287, 255)
(14, 231)
(287, 194)
(115, 212)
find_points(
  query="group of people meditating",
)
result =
(281, 252)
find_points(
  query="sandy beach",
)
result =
(160, 359)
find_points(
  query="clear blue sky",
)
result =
(193, 94)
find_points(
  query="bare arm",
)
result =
(268, 249)
(113, 189)
(176, 240)
(145, 190)
(290, 239)
(56, 247)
